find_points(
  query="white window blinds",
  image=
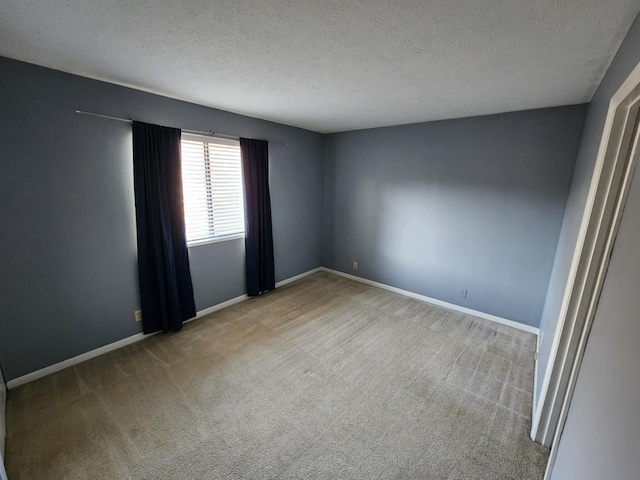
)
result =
(212, 188)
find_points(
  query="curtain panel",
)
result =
(258, 229)
(166, 291)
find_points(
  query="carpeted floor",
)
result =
(324, 378)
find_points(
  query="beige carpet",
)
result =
(325, 378)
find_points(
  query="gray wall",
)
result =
(68, 245)
(601, 438)
(437, 207)
(625, 60)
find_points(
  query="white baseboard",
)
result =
(56, 367)
(298, 277)
(218, 306)
(43, 372)
(440, 303)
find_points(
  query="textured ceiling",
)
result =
(331, 65)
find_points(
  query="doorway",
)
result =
(601, 219)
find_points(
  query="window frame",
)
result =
(206, 140)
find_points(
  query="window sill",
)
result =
(207, 241)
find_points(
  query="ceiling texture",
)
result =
(331, 65)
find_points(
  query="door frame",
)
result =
(608, 190)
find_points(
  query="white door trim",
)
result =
(607, 193)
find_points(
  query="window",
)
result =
(212, 189)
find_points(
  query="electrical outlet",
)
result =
(463, 293)
(355, 265)
(138, 314)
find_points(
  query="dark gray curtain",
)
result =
(258, 230)
(166, 291)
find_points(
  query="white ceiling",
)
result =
(331, 65)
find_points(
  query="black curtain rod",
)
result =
(193, 132)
